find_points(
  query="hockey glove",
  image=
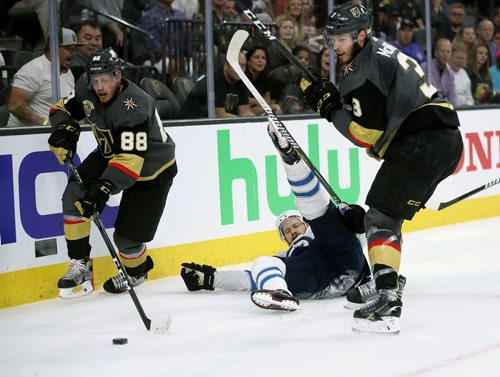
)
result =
(287, 152)
(322, 96)
(197, 276)
(63, 139)
(95, 198)
(354, 218)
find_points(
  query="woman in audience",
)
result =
(478, 69)
(495, 76)
(322, 66)
(467, 38)
(258, 73)
(285, 84)
(286, 36)
(303, 26)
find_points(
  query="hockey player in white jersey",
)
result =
(324, 258)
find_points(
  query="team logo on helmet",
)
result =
(88, 106)
(355, 12)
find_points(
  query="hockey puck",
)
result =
(120, 341)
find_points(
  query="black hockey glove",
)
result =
(354, 218)
(197, 276)
(95, 198)
(322, 96)
(64, 139)
(288, 153)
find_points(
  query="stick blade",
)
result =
(237, 41)
(159, 326)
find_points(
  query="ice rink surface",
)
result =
(450, 325)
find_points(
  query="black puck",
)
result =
(120, 341)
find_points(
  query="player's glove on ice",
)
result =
(64, 139)
(197, 276)
(95, 198)
(321, 95)
(354, 218)
(287, 152)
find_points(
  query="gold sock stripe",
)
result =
(384, 254)
(134, 261)
(76, 230)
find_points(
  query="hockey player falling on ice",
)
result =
(324, 258)
(384, 103)
(135, 157)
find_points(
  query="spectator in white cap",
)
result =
(31, 95)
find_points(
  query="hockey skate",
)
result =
(381, 314)
(359, 296)
(275, 300)
(117, 284)
(78, 281)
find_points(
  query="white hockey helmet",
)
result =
(284, 217)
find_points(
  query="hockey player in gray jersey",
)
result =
(384, 103)
(324, 258)
(135, 156)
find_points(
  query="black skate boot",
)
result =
(117, 284)
(381, 315)
(278, 299)
(359, 296)
(77, 282)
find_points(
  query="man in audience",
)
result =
(404, 38)
(154, 22)
(462, 80)
(31, 95)
(39, 7)
(456, 14)
(88, 33)
(441, 75)
(485, 31)
(231, 95)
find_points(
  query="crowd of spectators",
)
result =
(169, 36)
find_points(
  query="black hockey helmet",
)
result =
(103, 61)
(347, 18)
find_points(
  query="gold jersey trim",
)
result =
(158, 172)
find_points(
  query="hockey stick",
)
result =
(233, 51)
(157, 325)
(436, 206)
(303, 71)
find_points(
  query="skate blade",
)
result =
(387, 325)
(81, 290)
(353, 306)
(266, 301)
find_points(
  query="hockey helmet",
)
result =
(283, 218)
(347, 18)
(103, 61)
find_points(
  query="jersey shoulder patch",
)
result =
(132, 107)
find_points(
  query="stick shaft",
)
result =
(232, 57)
(303, 71)
(112, 251)
(439, 206)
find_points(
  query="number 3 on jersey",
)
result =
(356, 107)
(131, 141)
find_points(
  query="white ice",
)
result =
(450, 325)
